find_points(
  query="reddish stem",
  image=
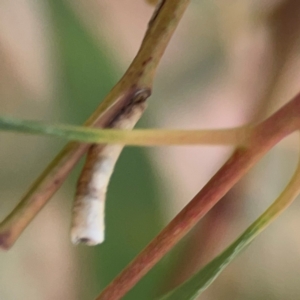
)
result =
(204, 242)
(265, 136)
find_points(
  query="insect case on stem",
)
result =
(88, 219)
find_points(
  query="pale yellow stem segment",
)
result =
(88, 221)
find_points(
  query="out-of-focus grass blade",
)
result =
(86, 72)
(193, 287)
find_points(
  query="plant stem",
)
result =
(193, 287)
(144, 137)
(138, 78)
(265, 136)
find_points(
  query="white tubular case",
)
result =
(88, 219)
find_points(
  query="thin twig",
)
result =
(139, 77)
(265, 136)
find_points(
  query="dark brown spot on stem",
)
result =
(4, 236)
(147, 61)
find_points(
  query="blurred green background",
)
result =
(229, 63)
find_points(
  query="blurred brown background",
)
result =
(229, 63)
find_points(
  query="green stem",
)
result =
(231, 136)
(138, 78)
